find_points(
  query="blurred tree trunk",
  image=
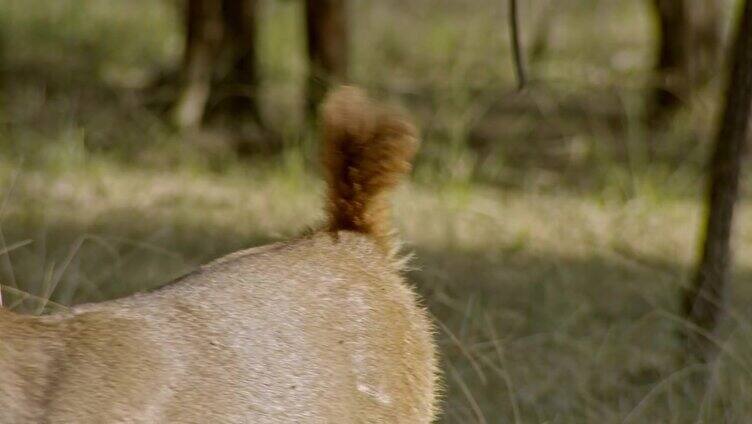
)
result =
(204, 34)
(672, 65)
(221, 42)
(239, 87)
(704, 301)
(689, 47)
(220, 38)
(326, 28)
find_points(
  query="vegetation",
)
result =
(553, 229)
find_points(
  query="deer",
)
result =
(322, 328)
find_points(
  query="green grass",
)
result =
(550, 240)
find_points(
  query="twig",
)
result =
(514, 30)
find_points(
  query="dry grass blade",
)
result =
(468, 394)
(24, 295)
(502, 369)
(55, 277)
(723, 348)
(17, 245)
(655, 391)
(463, 349)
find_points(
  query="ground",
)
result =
(551, 231)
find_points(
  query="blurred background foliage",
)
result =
(92, 71)
(553, 227)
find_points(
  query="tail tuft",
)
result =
(367, 150)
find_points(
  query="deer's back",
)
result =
(318, 330)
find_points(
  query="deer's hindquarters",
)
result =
(319, 330)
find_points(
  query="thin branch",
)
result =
(514, 30)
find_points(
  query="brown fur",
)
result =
(367, 150)
(316, 330)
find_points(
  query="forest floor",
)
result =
(552, 232)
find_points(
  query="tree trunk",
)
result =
(239, 87)
(672, 66)
(326, 27)
(204, 32)
(704, 301)
(690, 45)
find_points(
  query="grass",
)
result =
(551, 241)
